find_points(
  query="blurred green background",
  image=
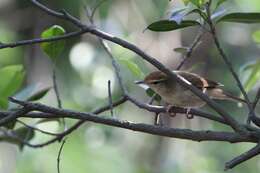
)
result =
(84, 69)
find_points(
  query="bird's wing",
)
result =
(198, 81)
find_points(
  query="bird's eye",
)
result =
(156, 82)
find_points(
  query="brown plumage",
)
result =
(175, 94)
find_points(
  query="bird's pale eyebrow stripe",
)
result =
(160, 80)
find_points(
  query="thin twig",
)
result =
(42, 40)
(257, 98)
(115, 65)
(59, 155)
(110, 98)
(57, 94)
(95, 9)
(37, 129)
(152, 99)
(55, 87)
(191, 48)
(229, 65)
(256, 119)
(13, 115)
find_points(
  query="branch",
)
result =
(150, 108)
(55, 86)
(59, 155)
(243, 157)
(151, 129)
(257, 98)
(191, 48)
(37, 129)
(40, 40)
(13, 115)
(255, 119)
(63, 14)
(229, 65)
(110, 100)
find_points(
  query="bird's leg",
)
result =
(157, 119)
(188, 115)
(169, 109)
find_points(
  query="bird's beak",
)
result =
(139, 82)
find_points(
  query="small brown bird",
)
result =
(175, 94)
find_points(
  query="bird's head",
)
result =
(154, 79)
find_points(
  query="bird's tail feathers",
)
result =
(219, 94)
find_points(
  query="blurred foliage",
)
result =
(97, 148)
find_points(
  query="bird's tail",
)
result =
(219, 94)
(234, 97)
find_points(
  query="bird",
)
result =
(177, 95)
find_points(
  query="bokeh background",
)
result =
(84, 69)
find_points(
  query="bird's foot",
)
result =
(188, 115)
(169, 110)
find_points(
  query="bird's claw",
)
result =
(169, 109)
(188, 115)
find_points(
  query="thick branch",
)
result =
(155, 130)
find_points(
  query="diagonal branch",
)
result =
(229, 65)
(191, 48)
(243, 157)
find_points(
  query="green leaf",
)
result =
(12, 78)
(23, 94)
(53, 49)
(167, 25)
(254, 75)
(186, 2)
(3, 103)
(256, 36)
(220, 2)
(133, 67)
(198, 3)
(39, 94)
(241, 18)
(29, 93)
(201, 13)
(151, 93)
